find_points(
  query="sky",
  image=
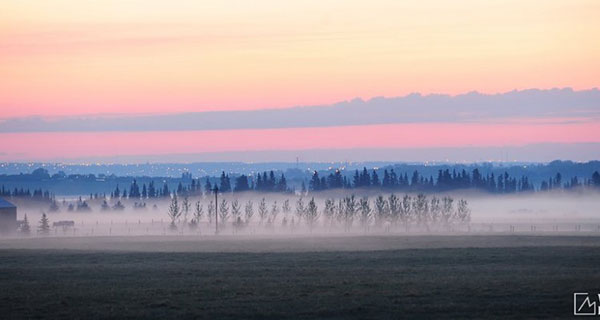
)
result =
(99, 62)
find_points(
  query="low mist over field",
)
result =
(334, 212)
(393, 199)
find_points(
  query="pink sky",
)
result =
(89, 144)
(157, 56)
(71, 57)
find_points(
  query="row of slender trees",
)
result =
(384, 211)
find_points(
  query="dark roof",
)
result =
(6, 204)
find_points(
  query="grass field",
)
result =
(408, 277)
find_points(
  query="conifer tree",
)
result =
(25, 228)
(225, 183)
(44, 228)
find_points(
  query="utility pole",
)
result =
(216, 191)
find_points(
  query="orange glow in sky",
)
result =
(69, 57)
(79, 58)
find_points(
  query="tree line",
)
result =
(384, 212)
(265, 182)
(446, 180)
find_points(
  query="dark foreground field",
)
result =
(436, 282)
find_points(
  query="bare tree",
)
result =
(223, 212)
(198, 213)
(421, 209)
(365, 213)
(394, 205)
(274, 212)
(447, 210)
(286, 207)
(329, 212)
(435, 210)
(236, 213)
(210, 211)
(405, 210)
(381, 210)
(248, 211)
(286, 212)
(300, 209)
(312, 214)
(340, 211)
(463, 213)
(262, 211)
(174, 212)
(350, 209)
(185, 207)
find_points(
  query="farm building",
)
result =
(8, 217)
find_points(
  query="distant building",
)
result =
(8, 217)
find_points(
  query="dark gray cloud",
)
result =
(414, 108)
